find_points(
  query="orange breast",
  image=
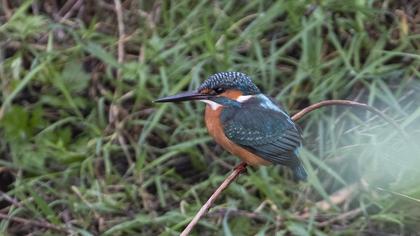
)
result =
(212, 118)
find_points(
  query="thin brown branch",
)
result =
(6, 8)
(116, 105)
(318, 105)
(68, 13)
(335, 199)
(345, 216)
(10, 199)
(121, 34)
(204, 209)
(42, 224)
(240, 168)
(338, 197)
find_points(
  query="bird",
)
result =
(246, 122)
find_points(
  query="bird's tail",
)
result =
(299, 173)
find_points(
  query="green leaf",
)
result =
(74, 77)
(100, 53)
(16, 123)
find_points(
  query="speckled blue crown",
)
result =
(231, 80)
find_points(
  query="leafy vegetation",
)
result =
(84, 148)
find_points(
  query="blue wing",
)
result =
(264, 129)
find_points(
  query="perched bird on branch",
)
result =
(246, 122)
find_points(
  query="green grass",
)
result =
(93, 153)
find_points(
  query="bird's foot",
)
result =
(241, 167)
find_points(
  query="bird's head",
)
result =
(220, 88)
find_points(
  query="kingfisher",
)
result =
(247, 123)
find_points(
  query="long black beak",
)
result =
(185, 96)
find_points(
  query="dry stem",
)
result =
(24, 221)
(236, 172)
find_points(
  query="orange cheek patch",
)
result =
(232, 94)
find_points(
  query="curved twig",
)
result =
(241, 167)
(42, 224)
(318, 105)
(203, 210)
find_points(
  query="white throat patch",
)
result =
(243, 98)
(213, 105)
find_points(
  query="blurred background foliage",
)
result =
(83, 148)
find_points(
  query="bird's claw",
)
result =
(241, 167)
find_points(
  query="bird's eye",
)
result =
(219, 90)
